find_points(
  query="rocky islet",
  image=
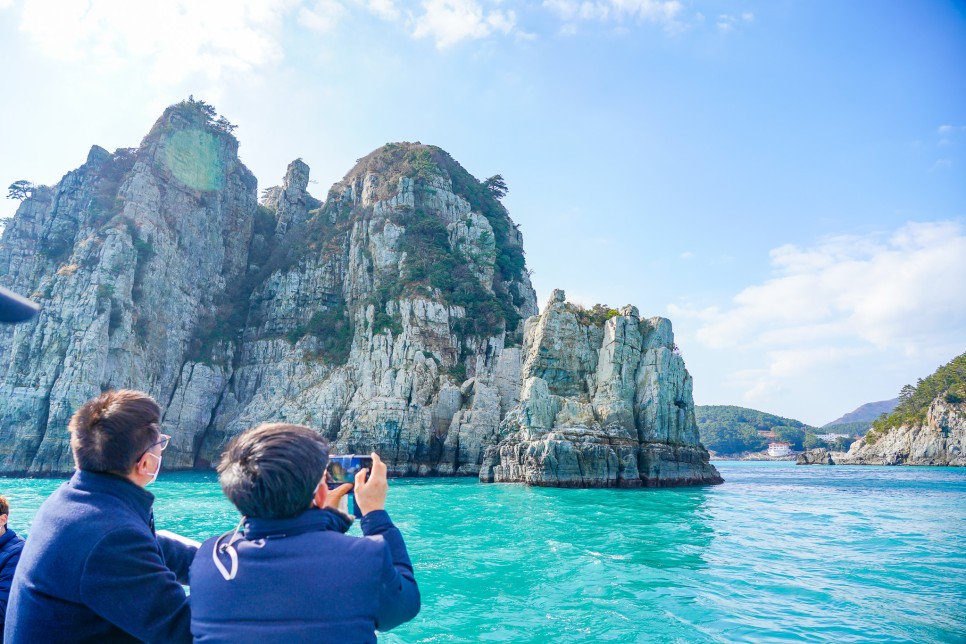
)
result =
(395, 315)
(604, 403)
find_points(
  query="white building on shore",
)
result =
(779, 449)
(830, 438)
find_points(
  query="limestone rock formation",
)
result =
(389, 316)
(381, 317)
(127, 254)
(605, 402)
(941, 440)
(817, 456)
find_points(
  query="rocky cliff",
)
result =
(388, 316)
(941, 440)
(127, 254)
(605, 402)
(927, 427)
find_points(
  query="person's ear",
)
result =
(321, 493)
(145, 466)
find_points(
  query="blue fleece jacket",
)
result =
(303, 580)
(10, 547)
(93, 569)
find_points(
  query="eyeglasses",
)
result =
(163, 442)
(165, 439)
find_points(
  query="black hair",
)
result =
(272, 471)
(111, 432)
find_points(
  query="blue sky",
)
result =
(785, 180)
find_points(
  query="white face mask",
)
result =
(154, 476)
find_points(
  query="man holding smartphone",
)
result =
(289, 572)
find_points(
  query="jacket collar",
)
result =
(139, 499)
(6, 537)
(312, 520)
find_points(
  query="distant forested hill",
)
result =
(726, 429)
(852, 429)
(867, 412)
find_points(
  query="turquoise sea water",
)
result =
(778, 553)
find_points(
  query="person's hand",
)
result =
(334, 497)
(371, 493)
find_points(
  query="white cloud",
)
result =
(384, 9)
(176, 38)
(656, 11)
(323, 16)
(946, 130)
(786, 370)
(451, 21)
(846, 319)
(891, 292)
(948, 133)
(844, 298)
(5, 4)
(786, 363)
(687, 255)
(727, 22)
(756, 385)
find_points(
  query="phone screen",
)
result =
(343, 469)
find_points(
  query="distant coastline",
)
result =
(753, 456)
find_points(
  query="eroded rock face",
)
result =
(603, 403)
(126, 254)
(940, 441)
(380, 318)
(817, 456)
(389, 318)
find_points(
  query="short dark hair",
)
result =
(271, 471)
(4, 506)
(111, 432)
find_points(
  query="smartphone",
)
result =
(343, 469)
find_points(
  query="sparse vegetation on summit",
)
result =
(949, 381)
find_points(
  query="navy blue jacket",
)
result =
(94, 571)
(303, 580)
(10, 547)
